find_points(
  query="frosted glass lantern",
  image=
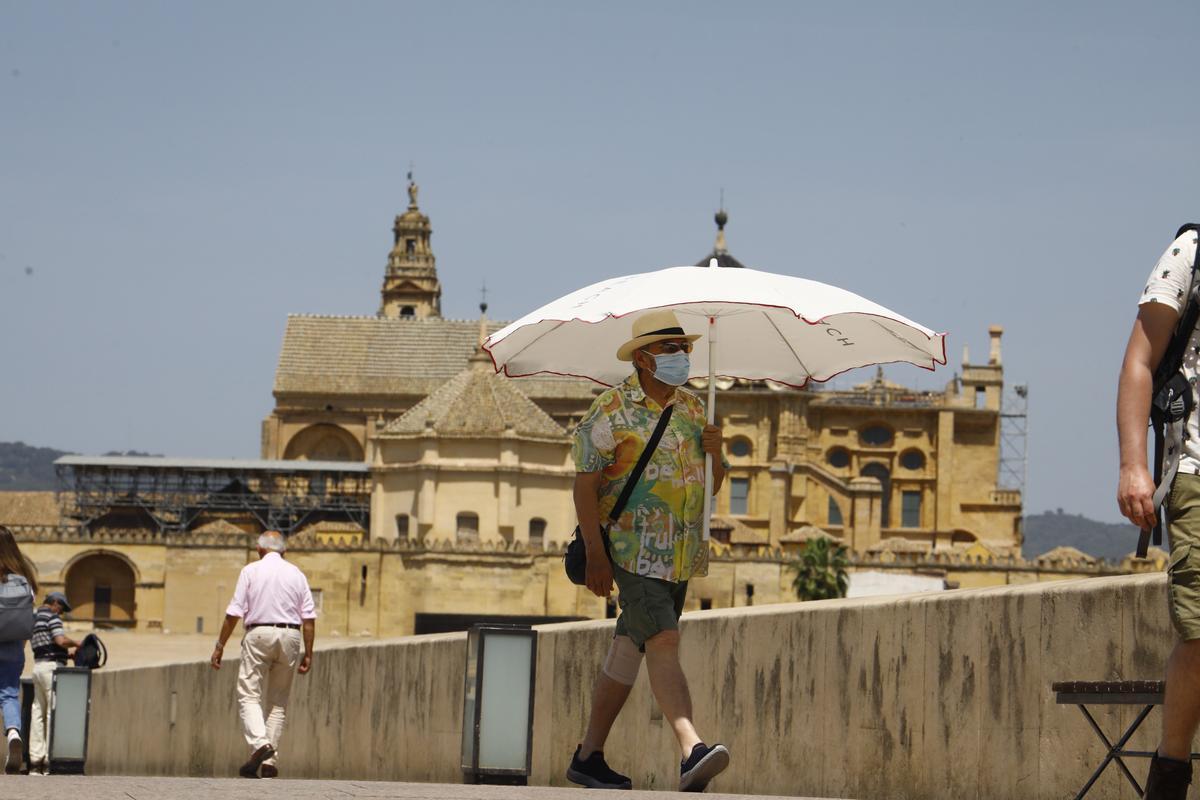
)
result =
(70, 706)
(497, 740)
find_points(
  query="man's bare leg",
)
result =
(1181, 703)
(608, 698)
(670, 687)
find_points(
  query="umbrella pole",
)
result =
(712, 415)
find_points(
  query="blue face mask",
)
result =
(672, 369)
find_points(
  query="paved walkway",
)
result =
(57, 787)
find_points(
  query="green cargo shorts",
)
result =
(648, 606)
(1183, 570)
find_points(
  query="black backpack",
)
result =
(1173, 401)
(91, 652)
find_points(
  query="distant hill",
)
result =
(31, 469)
(1108, 540)
(27, 469)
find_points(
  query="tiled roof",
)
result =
(897, 544)
(739, 532)
(219, 526)
(28, 508)
(808, 533)
(475, 402)
(1065, 553)
(380, 356)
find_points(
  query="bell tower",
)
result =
(410, 285)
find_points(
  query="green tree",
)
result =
(821, 571)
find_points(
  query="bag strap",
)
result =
(640, 467)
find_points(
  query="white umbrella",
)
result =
(755, 325)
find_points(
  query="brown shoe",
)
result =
(250, 768)
(270, 771)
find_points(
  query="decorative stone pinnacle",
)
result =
(413, 189)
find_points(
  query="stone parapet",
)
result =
(923, 696)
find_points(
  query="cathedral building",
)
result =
(876, 463)
(421, 491)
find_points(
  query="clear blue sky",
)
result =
(178, 177)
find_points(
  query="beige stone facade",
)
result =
(396, 587)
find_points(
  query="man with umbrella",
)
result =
(656, 544)
(771, 327)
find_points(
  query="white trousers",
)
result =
(269, 660)
(39, 723)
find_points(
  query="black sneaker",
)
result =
(594, 773)
(704, 764)
(1168, 779)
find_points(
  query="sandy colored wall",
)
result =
(926, 696)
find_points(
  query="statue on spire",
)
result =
(412, 190)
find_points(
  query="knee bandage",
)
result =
(623, 661)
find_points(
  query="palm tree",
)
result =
(821, 571)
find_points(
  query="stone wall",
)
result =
(926, 696)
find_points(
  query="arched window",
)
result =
(537, 533)
(324, 442)
(100, 588)
(876, 435)
(740, 447)
(912, 459)
(879, 471)
(467, 527)
(838, 457)
(408, 311)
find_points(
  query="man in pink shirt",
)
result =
(272, 598)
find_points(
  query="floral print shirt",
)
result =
(659, 534)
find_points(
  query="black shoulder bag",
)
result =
(575, 559)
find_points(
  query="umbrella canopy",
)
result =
(775, 327)
(755, 325)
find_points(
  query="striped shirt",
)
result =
(46, 626)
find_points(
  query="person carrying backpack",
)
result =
(17, 588)
(51, 647)
(1158, 382)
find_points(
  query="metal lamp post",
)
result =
(497, 744)
(71, 704)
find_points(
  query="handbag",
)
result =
(575, 559)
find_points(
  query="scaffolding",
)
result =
(1014, 440)
(174, 496)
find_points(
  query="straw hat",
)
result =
(653, 326)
